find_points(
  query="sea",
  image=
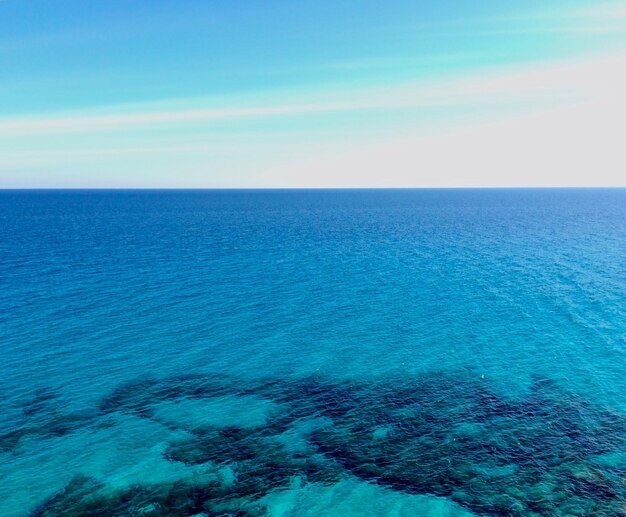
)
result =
(428, 352)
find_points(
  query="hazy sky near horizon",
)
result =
(154, 93)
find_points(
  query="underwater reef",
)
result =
(549, 453)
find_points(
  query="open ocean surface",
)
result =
(313, 353)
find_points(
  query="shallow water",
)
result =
(438, 352)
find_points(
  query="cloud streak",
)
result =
(534, 125)
(564, 82)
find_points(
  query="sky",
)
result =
(330, 93)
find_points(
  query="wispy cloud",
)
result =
(600, 10)
(80, 123)
(539, 85)
(566, 111)
(601, 18)
(606, 28)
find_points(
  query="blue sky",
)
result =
(327, 93)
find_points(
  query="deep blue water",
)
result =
(375, 352)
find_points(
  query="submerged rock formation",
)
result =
(549, 453)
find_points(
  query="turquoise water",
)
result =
(288, 353)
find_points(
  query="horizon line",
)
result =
(528, 187)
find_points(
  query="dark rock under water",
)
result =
(442, 434)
